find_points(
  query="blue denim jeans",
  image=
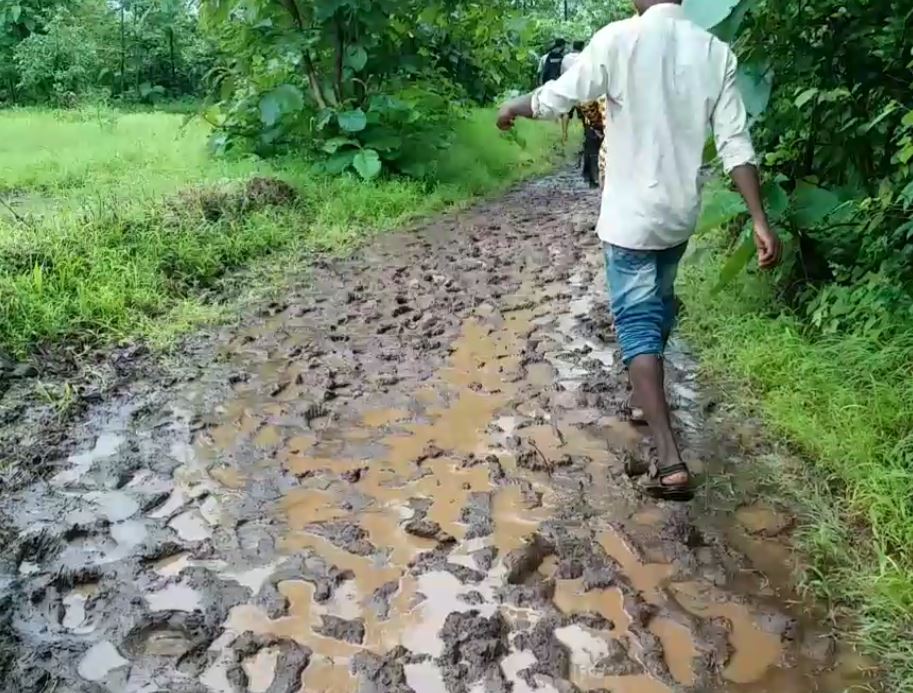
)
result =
(642, 289)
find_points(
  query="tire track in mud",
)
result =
(405, 477)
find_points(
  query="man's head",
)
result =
(644, 5)
(559, 44)
(579, 46)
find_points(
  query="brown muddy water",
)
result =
(407, 476)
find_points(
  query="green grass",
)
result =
(115, 244)
(845, 405)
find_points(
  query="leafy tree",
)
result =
(56, 51)
(59, 63)
(368, 83)
(829, 83)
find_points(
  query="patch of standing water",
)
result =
(425, 677)
(175, 597)
(74, 605)
(261, 669)
(106, 446)
(191, 526)
(99, 661)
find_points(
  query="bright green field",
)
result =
(95, 256)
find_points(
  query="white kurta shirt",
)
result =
(668, 84)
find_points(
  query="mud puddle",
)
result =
(406, 477)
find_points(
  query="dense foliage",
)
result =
(65, 52)
(837, 140)
(369, 83)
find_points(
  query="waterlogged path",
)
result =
(407, 476)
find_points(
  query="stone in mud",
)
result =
(599, 573)
(436, 560)
(473, 598)
(293, 659)
(428, 529)
(385, 674)
(590, 620)
(477, 513)
(353, 476)
(617, 662)
(380, 600)
(431, 452)
(569, 569)
(345, 535)
(340, 629)
(552, 657)
(473, 649)
(537, 595)
(640, 611)
(524, 561)
(485, 558)
(533, 460)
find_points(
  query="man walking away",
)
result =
(666, 80)
(550, 63)
(593, 135)
(571, 58)
(567, 63)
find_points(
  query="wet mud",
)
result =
(406, 476)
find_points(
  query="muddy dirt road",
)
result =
(406, 477)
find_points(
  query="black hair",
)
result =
(579, 45)
(560, 43)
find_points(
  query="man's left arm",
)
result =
(585, 81)
(733, 144)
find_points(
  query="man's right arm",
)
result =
(733, 144)
(585, 81)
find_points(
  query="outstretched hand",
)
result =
(506, 118)
(521, 107)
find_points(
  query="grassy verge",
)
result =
(128, 223)
(845, 405)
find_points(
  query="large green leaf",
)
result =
(334, 144)
(381, 138)
(340, 161)
(776, 201)
(352, 121)
(755, 82)
(721, 206)
(806, 96)
(367, 163)
(709, 155)
(356, 58)
(811, 205)
(738, 261)
(285, 98)
(709, 13)
(728, 29)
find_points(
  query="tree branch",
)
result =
(314, 81)
(340, 47)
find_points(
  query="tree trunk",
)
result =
(314, 82)
(340, 48)
(174, 79)
(123, 46)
